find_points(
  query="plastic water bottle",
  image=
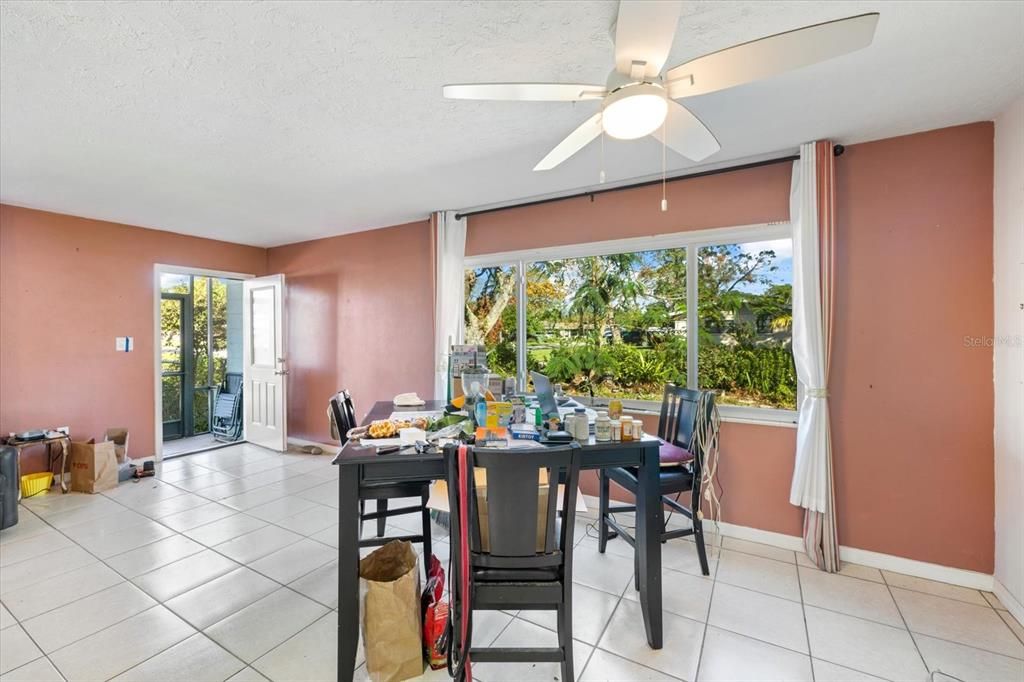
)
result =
(480, 412)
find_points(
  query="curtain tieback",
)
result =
(817, 392)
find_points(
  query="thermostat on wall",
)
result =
(124, 344)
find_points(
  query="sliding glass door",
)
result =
(175, 363)
(194, 351)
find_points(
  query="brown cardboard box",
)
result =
(93, 467)
(120, 439)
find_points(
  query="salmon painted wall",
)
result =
(911, 402)
(68, 287)
(756, 195)
(360, 316)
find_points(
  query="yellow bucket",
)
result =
(33, 484)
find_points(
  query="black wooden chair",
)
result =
(345, 418)
(681, 463)
(516, 563)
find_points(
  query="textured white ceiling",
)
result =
(272, 122)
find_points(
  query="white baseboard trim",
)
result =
(919, 569)
(1011, 602)
(886, 562)
(326, 447)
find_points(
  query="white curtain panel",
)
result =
(449, 292)
(811, 488)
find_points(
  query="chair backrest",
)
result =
(232, 382)
(226, 406)
(344, 413)
(679, 414)
(514, 497)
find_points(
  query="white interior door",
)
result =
(264, 369)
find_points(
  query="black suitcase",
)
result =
(8, 487)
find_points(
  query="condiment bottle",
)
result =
(581, 425)
(602, 426)
(615, 408)
(616, 430)
(627, 428)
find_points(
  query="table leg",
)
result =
(65, 445)
(648, 545)
(348, 571)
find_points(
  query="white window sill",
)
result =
(731, 414)
(784, 422)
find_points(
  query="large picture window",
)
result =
(709, 310)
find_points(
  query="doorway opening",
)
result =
(200, 393)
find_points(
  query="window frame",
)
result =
(692, 241)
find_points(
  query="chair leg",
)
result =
(565, 635)
(602, 510)
(382, 521)
(664, 522)
(698, 538)
(427, 549)
(636, 569)
(362, 510)
(636, 552)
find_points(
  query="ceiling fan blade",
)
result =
(770, 56)
(577, 140)
(644, 32)
(684, 133)
(525, 92)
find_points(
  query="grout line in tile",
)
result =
(904, 620)
(604, 629)
(42, 654)
(803, 613)
(940, 596)
(856, 670)
(1000, 617)
(925, 634)
(999, 613)
(711, 599)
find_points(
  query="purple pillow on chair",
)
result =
(673, 455)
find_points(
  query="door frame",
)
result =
(162, 269)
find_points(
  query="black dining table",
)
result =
(360, 465)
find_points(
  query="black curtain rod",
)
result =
(837, 150)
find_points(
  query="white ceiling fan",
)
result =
(638, 100)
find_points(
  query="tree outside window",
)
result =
(616, 325)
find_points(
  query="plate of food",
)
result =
(388, 429)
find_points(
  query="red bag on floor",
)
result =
(435, 617)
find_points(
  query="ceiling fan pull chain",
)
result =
(664, 146)
(601, 175)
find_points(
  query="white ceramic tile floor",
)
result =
(238, 581)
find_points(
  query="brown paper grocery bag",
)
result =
(389, 586)
(93, 467)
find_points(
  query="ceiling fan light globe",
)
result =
(634, 111)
